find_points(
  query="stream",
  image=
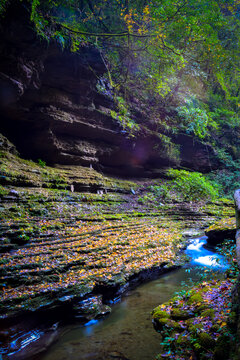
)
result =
(127, 333)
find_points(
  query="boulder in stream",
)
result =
(29, 345)
(221, 230)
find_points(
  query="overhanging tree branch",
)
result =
(86, 33)
(169, 48)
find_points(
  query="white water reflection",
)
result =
(24, 340)
(208, 261)
(204, 257)
(196, 244)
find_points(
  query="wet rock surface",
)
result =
(69, 263)
(31, 344)
(220, 231)
(68, 254)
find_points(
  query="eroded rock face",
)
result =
(195, 155)
(6, 145)
(51, 109)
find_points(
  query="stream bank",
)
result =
(67, 252)
(127, 333)
(129, 322)
(198, 324)
(201, 323)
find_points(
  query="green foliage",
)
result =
(41, 163)
(24, 238)
(228, 177)
(226, 117)
(167, 147)
(206, 341)
(228, 249)
(58, 36)
(193, 185)
(182, 185)
(228, 181)
(159, 313)
(123, 117)
(196, 298)
(195, 120)
(208, 313)
(39, 19)
(3, 191)
(159, 56)
(171, 37)
(160, 191)
(149, 197)
(3, 5)
(156, 194)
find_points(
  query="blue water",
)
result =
(202, 256)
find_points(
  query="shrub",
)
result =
(160, 192)
(149, 197)
(195, 120)
(123, 116)
(41, 163)
(193, 185)
(228, 177)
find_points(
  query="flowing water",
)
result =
(127, 333)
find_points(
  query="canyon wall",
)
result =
(51, 109)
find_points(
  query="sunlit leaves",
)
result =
(223, 224)
(87, 253)
(204, 31)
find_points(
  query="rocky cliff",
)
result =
(50, 109)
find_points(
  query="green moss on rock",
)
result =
(167, 323)
(183, 341)
(194, 329)
(206, 341)
(208, 313)
(196, 298)
(177, 314)
(215, 328)
(222, 348)
(158, 313)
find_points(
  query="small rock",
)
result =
(36, 171)
(35, 346)
(92, 308)
(117, 355)
(4, 334)
(66, 298)
(54, 327)
(191, 232)
(13, 192)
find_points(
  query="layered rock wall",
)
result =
(50, 109)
